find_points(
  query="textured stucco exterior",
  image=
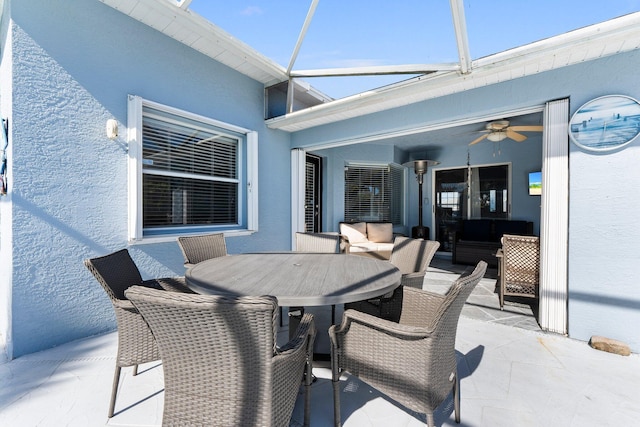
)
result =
(74, 64)
(67, 67)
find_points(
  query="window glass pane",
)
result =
(487, 191)
(450, 198)
(492, 198)
(374, 193)
(172, 201)
(396, 174)
(190, 172)
(173, 147)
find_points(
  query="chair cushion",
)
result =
(380, 232)
(356, 233)
(370, 247)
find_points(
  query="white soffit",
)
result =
(172, 19)
(588, 43)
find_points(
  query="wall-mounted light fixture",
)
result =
(112, 129)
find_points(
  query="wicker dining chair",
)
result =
(413, 361)
(318, 242)
(116, 272)
(519, 267)
(222, 366)
(196, 249)
(412, 257)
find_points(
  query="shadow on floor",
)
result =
(483, 303)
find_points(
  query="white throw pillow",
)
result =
(380, 232)
(356, 233)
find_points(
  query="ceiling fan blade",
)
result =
(526, 128)
(518, 137)
(475, 141)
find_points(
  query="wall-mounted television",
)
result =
(535, 183)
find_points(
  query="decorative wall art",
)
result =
(606, 123)
(535, 183)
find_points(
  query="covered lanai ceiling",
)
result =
(423, 81)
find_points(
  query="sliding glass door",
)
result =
(469, 192)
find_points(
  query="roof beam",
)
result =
(379, 70)
(462, 39)
(303, 33)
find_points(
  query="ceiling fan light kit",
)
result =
(496, 136)
(498, 130)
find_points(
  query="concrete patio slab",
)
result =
(510, 376)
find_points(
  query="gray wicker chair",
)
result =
(196, 249)
(519, 267)
(318, 242)
(413, 361)
(412, 257)
(221, 363)
(116, 272)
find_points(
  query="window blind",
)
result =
(374, 192)
(190, 172)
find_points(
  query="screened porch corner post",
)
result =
(554, 223)
(298, 161)
(134, 167)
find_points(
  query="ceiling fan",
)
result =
(498, 130)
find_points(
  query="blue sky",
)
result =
(351, 33)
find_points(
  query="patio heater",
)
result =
(420, 167)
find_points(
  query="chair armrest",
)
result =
(344, 243)
(413, 280)
(151, 283)
(174, 284)
(384, 327)
(124, 304)
(305, 334)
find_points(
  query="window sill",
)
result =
(174, 237)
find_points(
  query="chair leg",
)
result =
(430, 420)
(114, 390)
(336, 402)
(333, 314)
(456, 398)
(135, 370)
(308, 380)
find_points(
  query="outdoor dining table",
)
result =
(296, 279)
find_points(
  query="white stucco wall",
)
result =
(74, 63)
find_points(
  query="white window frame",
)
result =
(247, 195)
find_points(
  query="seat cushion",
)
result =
(356, 233)
(370, 247)
(380, 232)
